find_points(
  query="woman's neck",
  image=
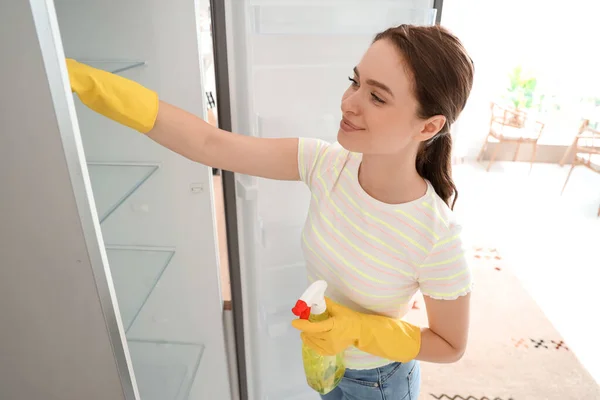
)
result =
(391, 179)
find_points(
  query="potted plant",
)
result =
(521, 94)
(521, 89)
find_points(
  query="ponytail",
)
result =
(434, 163)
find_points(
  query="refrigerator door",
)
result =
(288, 63)
(155, 207)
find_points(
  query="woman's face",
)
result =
(379, 109)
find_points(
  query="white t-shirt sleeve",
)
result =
(310, 158)
(445, 274)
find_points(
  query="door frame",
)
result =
(219, 37)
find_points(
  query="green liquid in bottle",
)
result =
(323, 373)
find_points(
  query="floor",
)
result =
(514, 351)
(551, 241)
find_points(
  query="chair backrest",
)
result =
(503, 116)
(588, 139)
(508, 117)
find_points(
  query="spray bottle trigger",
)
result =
(301, 309)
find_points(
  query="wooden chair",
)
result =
(586, 146)
(511, 126)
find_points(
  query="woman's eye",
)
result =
(377, 99)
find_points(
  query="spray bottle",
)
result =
(323, 373)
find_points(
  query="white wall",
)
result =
(54, 341)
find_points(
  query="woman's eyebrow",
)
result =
(375, 83)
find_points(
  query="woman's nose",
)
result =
(350, 102)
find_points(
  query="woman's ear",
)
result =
(431, 127)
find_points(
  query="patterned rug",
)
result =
(514, 351)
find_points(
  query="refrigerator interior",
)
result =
(288, 63)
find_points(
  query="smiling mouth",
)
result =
(346, 126)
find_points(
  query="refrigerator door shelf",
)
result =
(135, 271)
(325, 125)
(114, 183)
(299, 92)
(279, 297)
(165, 370)
(338, 19)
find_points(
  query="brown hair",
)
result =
(442, 74)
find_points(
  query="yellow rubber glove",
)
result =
(381, 336)
(120, 99)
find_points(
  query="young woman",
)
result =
(380, 225)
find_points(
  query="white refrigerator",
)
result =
(145, 222)
(281, 68)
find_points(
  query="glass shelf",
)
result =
(135, 273)
(112, 184)
(113, 66)
(335, 19)
(164, 370)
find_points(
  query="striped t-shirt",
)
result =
(375, 256)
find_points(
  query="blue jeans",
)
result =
(396, 381)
